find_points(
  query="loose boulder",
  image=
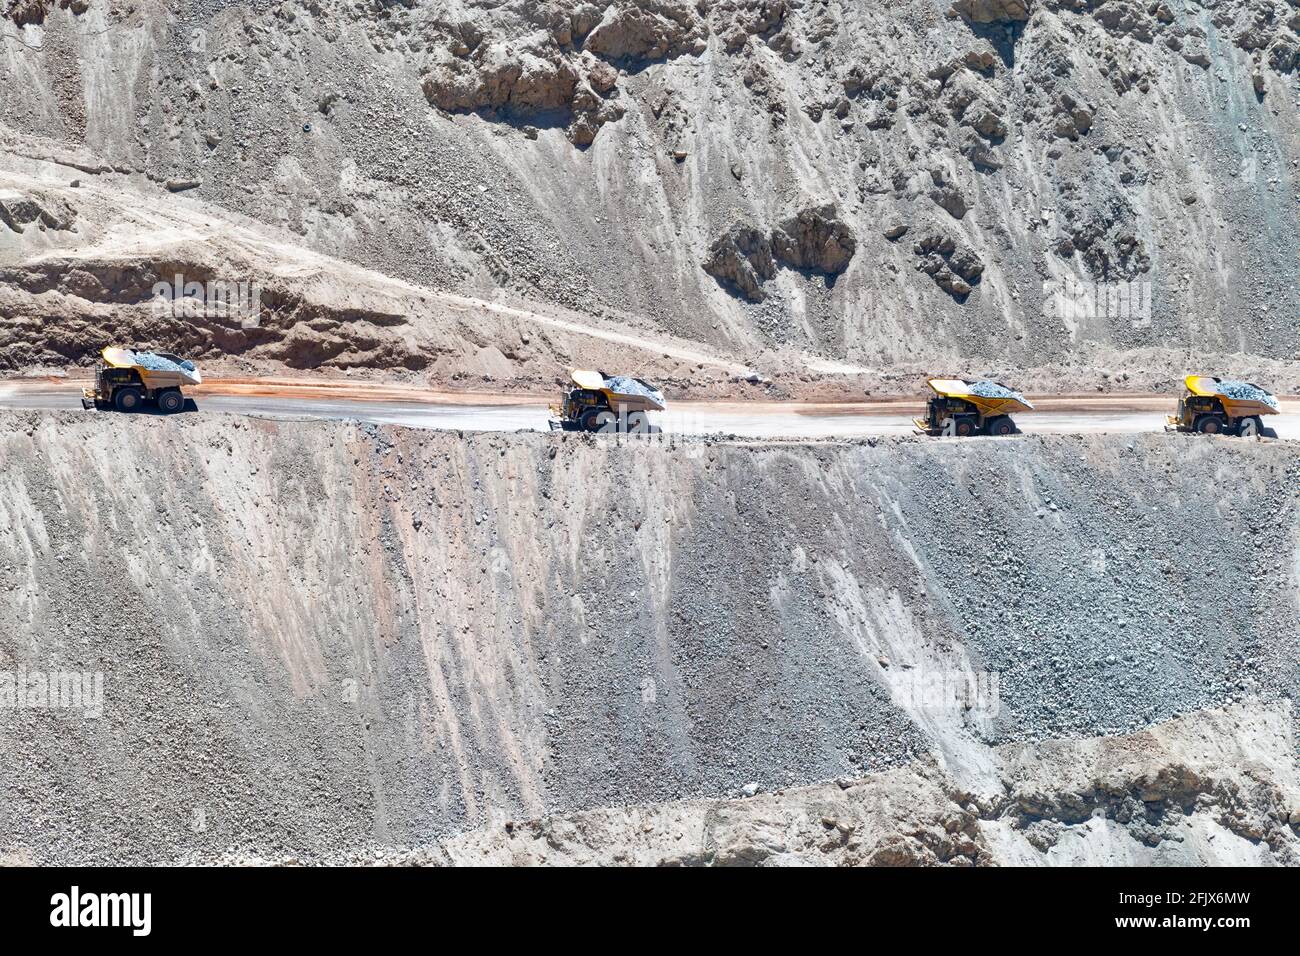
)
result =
(954, 268)
(814, 239)
(648, 30)
(991, 11)
(742, 258)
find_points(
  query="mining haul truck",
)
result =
(603, 403)
(1215, 405)
(129, 379)
(965, 407)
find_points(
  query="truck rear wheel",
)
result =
(170, 401)
(128, 399)
(1000, 425)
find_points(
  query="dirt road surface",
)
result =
(290, 399)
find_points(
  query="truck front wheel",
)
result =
(965, 425)
(593, 419)
(128, 399)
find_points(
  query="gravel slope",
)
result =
(1216, 788)
(323, 638)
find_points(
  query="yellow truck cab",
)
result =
(128, 379)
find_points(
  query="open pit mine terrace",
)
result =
(338, 642)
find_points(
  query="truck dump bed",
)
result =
(1239, 399)
(990, 398)
(157, 369)
(623, 391)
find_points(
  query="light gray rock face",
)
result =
(1152, 798)
(319, 640)
(590, 155)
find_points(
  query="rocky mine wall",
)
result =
(1215, 788)
(914, 180)
(322, 638)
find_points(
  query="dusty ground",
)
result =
(322, 639)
